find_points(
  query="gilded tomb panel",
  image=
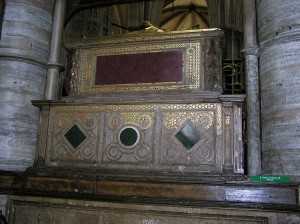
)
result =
(158, 137)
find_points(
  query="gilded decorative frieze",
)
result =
(219, 118)
(227, 120)
(140, 107)
(173, 121)
(74, 136)
(188, 137)
(141, 120)
(128, 138)
(173, 137)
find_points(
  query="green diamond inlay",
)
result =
(188, 136)
(75, 136)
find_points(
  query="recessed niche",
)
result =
(129, 136)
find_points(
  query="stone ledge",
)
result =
(245, 193)
(27, 209)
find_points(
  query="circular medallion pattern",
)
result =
(129, 136)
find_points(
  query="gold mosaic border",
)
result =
(148, 107)
(151, 107)
(191, 68)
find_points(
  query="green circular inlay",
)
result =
(128, 136)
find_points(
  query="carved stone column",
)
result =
(279, 40)
(24, 52)
(252, 89)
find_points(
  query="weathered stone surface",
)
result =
(276, 16)
(24, 52)
(253, 118)
(20, 83)
(252, 89)
(280, 84)
(26, 29)
(280, 55)
(108, 186)
(52, 210)
(3, 201)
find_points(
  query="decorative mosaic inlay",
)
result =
(188, 136)
(129, 136)
(146, 107)
(142, 135)
(75, 136)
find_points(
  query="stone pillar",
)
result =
(279, 40)
(252, 89)
(24, 53)
(55, 50)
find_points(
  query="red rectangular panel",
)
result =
(139, 68)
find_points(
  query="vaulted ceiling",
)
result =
(185, 15)
(75, 5)
(176, 14)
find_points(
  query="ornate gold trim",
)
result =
(217, 107)
(151, 107)
(191, 68)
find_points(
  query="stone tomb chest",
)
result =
(144, 105)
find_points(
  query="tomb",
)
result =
(144, 135)
(148, 105)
